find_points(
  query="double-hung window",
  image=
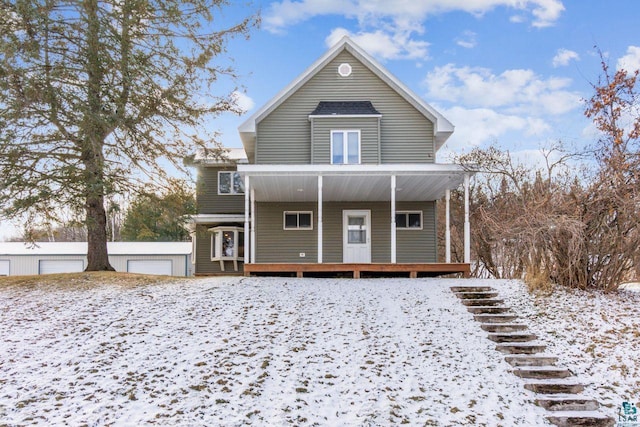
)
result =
(230, 183)
(409, 220)
(298, 220)
(345, 147)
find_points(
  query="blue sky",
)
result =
(512, 73)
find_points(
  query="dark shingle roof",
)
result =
(328, 108)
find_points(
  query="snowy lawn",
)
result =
(275, 351)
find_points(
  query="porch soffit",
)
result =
(369, 183)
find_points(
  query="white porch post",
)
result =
(247, 258)
(253, 226)
(467, 227)
(319, 219)
(393, 219)
(447, 221)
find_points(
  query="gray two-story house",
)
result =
(337, 173)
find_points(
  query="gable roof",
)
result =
(442, 127)
(345, 108)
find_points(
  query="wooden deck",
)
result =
(378, 269)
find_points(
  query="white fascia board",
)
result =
(327, 170)
(215, 218)
(233, 156)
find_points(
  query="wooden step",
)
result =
(512, 337)
(495, 318)
(581, 418)
(471, 288)
(521, 348)
(518, 360)
(482, 302)
(488, 310)
(567, 402)
(541, 372)
(503, 327)
(554, 387)
(476, 295)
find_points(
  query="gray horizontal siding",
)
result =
(284, 136)
(207, 197)
(418, 245)
(369, 143)
(277, 245)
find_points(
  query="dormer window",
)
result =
(345, 147)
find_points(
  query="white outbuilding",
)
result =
(163, 258)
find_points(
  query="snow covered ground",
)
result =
(275, 351)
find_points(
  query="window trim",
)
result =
(194, 247)
(232, 191)
(345, 145)
(298, 228)
(407, 213)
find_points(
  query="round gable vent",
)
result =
(344, 70)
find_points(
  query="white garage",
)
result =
(162, 258)
(150, 266)
(51, 266)
(5, 267)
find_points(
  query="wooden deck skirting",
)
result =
(413, 269)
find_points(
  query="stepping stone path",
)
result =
(555, 389)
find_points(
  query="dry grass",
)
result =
(86, 280)
(538, 281)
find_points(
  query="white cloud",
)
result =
(467, 40)
(564, 57)
(243, 101)
(631, 61)
(288, 12)
(546, 12)
(516, 91)
(282, 14)
(478, 126)
(383, 45)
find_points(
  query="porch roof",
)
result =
(368, 183)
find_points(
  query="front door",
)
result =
(357, 236)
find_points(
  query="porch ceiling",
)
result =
(299, 183)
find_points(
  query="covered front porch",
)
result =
(322, 189)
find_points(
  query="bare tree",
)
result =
(612, 206)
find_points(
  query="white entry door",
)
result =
(357, 236)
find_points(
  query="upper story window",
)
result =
(230, 183)
(345, 147)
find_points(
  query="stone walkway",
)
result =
(554, 388)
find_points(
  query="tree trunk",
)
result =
(97, 255)
(92, 146)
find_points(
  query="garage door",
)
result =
(150, 266)
(49, 266)
(5, 267)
